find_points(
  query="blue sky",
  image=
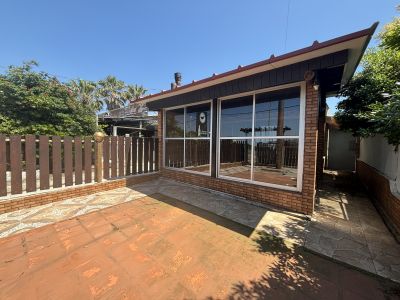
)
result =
(145, 42)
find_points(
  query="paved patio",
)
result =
(345, 227)
(348, 228)
(157, 247)
(286, 225)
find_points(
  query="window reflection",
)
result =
(277, 113)
(275, 161)
(197, 155)
(174, 122)
(174, 153)
(187, 138)
(236, 117)
(235, 158)
(198, 120)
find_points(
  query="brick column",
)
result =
(310, 148)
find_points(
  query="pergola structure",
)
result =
(133, 120)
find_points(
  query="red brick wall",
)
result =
(41, 198)
(302, 202)
(379, 186)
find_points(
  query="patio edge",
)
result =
(18, 202)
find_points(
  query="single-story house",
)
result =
(257, 131)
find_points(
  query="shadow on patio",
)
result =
(280, 223)
(204, 214)
(298, 274)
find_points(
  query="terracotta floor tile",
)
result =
(111, 240)
(157, 248)
(73, 242)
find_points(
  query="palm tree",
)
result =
(112, 92)
(86, 92)
(136, 91)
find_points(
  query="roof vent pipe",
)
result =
(178, 80)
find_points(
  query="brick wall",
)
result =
(49, 196)
(379, 187)
(302, 202)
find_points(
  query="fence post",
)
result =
(98, 159)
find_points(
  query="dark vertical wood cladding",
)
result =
(279, 76)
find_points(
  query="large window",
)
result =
(187, 138)
(260, 138)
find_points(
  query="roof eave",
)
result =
(356, 56)
(317, 49)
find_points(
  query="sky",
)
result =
(145, 42)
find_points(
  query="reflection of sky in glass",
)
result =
(267, 117)
(236, 115)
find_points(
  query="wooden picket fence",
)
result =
(124, 156)
(30, 163)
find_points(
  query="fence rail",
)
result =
(30, 163)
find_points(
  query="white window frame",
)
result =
(184, 138)
(300, 137)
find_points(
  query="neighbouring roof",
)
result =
(355, 43)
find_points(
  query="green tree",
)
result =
(34, 102)
(371, 102)
(135, 91)
(112, 92)
(85, 91)
(390, 35)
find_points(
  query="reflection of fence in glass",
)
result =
(197, 153)
(29, 163)
(233, 151)
(266, 154)
(277, 153)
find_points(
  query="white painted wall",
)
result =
(376, 152)
(341, 153)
